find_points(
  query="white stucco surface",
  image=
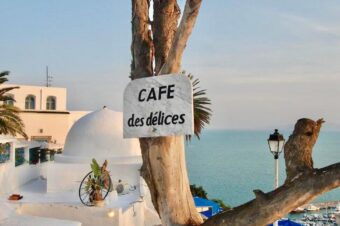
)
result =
(99, 134)
(38, 206)
(11, 176)
(50, 190)
(24, 220)
(41, 123)
(40, 93)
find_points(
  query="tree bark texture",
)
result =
(191, 10)
(304, 136)
(164, 27)
(164, 169)
(142, 45)
(305, 184)
(164, 166)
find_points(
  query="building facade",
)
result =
(44, 112)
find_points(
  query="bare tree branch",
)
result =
(173, 63)
(142, 45)
(164, 26)
(271, 206)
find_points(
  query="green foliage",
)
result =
(202, 113)
(10, 121)
(88, 184)
(95, 182)
(198, 191)
(95, 168)
(221, 204)
(98, 180)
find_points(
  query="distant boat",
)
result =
(298, 210)
(311, 207)
(337, 209)
(287, 222)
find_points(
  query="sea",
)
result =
(230, 164)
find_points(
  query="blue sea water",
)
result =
(231, 164)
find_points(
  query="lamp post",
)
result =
(276, 141)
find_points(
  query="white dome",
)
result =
(99, 135)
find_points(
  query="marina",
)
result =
(317, 214)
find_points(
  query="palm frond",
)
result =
(202, 111)
(3, 91)
(10, 121)
(6, 98)
(95, 168)
(3, 75)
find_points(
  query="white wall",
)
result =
(133, 215)
(75, 115)
(42, 122)
(87, 216)
(41, 93)
(51, 124)
(11, 177)
(55, 125)
(46, 124)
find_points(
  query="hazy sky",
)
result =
(264, 63)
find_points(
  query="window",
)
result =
(30, 102)
(19, 156)
(34, 156)
(10, 100)
(51, 103)
(38, 155)
(5, 150)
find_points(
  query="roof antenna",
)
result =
(48, 78)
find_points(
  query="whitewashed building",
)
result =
(17, 167)
(44, 112)
(99, 135)
(55, 193)
(50, 189)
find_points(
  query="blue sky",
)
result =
(265, 64)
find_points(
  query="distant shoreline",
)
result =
(323, 205)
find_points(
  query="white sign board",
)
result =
(158, 106)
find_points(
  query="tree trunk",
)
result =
(164, 166)
(164, 27)
(142, 45)
(304, 136)
(164, 170)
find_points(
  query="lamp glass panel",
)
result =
(273, 145)
(281, 144)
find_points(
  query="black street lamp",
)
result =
(276, 141)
